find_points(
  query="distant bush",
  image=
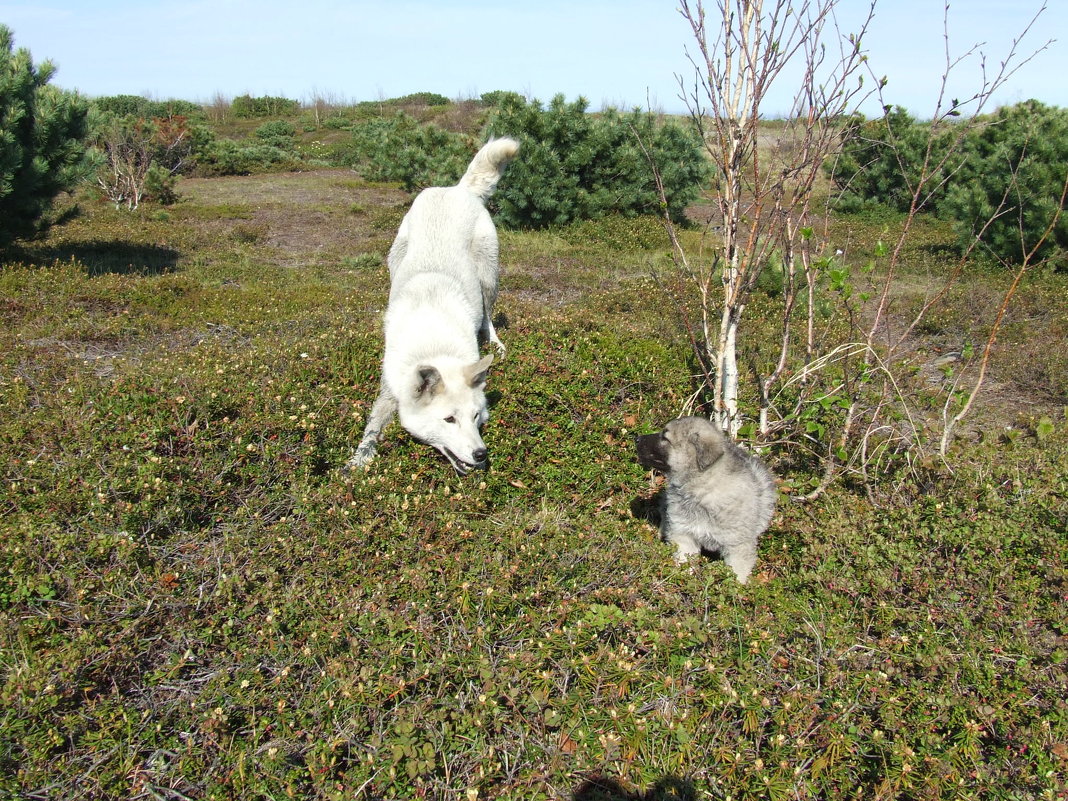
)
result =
(122, 105)
(246, 107)
(575, 166)
(137, 106)
(41, 148)
(421, 99)
(498, 97)
(277, 133)
(228, 157)
(400, 149)
(1018, 160)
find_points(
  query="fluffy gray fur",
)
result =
(718, 497)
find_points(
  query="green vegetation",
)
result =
(246, 107)
(1005, 179)
(41, 152)
(576, 165)
(195, 603)
(1017, 163)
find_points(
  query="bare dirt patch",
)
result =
(306, 217)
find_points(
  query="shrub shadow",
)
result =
(109, 258)
(603, 788)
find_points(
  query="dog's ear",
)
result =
(477, 372)
(428, 382)
(709, 450)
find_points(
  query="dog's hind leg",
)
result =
(385, 406)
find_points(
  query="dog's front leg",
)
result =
(382, 412)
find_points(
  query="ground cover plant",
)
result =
(196, 603)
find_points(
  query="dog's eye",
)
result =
(450, 419)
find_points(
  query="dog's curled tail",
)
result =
(486, 167)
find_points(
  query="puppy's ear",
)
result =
(428, 382)
(477, 372)
(709, 450)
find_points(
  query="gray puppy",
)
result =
(718, 497)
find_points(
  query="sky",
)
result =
(622, 53)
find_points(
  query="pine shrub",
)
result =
(247, 107)
(278, 133)
(41, 147)
(1010, 172)
(880, 163)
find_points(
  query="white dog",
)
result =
(443, 283)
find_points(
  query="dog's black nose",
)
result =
(480, 456)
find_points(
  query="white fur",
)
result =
(443, 284)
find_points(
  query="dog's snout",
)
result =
(480, 456)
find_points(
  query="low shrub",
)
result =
(135, 105)
(277, 133)
(228, 157)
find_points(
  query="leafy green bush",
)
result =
(400, 149)
(41, 148)
(1015, 172)
(247, 107)
(577, 166)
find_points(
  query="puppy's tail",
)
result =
(486, 167)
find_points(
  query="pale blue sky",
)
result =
(613, 52)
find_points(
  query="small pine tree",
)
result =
(400, 149)
(42, 151)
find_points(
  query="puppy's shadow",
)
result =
(647, 508)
